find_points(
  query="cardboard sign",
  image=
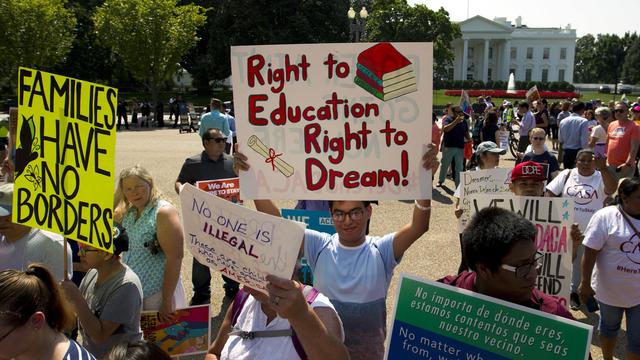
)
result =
(188, 334)
(437, 321)
(334, 121)
(228, 189)
(490, 181)
(243, 244)
(64, 166)
(553, 218)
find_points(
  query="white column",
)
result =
(506, 60)
(465, 53)
(485, 61)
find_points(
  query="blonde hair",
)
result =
(121, 204)
(537, 131)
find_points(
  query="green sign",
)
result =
(437, 321)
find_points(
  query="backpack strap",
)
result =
(310, 295)
(238, 304)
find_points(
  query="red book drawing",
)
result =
(384, 72)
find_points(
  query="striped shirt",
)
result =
(77, 352)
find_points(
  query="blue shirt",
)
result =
(356, 280)
(214, 120)
(455, 137)
(527, 123)
(573, 133)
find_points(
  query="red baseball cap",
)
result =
(528, 170)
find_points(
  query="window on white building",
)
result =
(545, 75)
(561, 75)
(514, 53)
(527, 75)
(545, 54)
(490, 53)
(489, 74)
(529, 53)
(563, 53)
(512, 71)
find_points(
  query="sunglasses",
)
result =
(218, 140)
(538, 138)
(620, 110)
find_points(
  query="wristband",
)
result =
(420, 207)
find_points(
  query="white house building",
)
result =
(492, 49)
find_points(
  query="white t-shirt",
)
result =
(38, 246)
(618, 263)
(587, 193)
(252, 318)
(599, 133)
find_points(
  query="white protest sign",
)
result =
(334, 121)
(243, 244)
(553, 218)
(489, 181)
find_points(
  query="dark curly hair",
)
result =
(491, 234)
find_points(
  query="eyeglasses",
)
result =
(218, 140)
(84, 251)
(523, 270)
(620, 111)
(538, 138)
(354, 215)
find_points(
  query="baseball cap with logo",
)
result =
(528, 170)
(6, 199)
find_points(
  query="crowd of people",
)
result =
(343, 315)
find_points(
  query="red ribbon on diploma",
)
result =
(271, 159)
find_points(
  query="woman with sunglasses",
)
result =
(539, 153)
(109, 300)
(155, 241)
(33, 316)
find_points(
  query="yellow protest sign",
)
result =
(65, 152)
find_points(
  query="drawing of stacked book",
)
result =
(385, 72)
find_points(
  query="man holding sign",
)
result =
(211, 164)
(354, 270)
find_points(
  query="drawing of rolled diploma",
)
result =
(270, 156)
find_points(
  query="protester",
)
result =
(232, 137)
(122, 114)
(540, 155)
(527, 122)
(455, 132)
(554, 111)
(573, 135)
(541, 115)
(486, 156)
(354, 270)
(22, 245)
(588, 184)
(501, 253)
(527, 179)
(436, 133)
(33, 316)
(109, 300)
(156, 243)
(490, 128)
(275, 325)
(214, 119)
(211, 164)
(141, 350)
(624, 141)
(599, 132)
(611, 245)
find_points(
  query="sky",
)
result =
(586, 16)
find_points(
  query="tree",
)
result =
(585, 70)
(631, 68)
(35, 33)
(253, 22)
(150, 36)
(395, 20)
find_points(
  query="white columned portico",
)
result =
(506, 56)
(485, 61)
(465, 54)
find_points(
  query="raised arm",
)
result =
(419, 224)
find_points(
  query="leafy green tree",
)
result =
(35, 33)
(150, 36)
(631, 67)
(585, 70)
(261, 22)
(395, 20)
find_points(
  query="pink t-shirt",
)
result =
(620, 137)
